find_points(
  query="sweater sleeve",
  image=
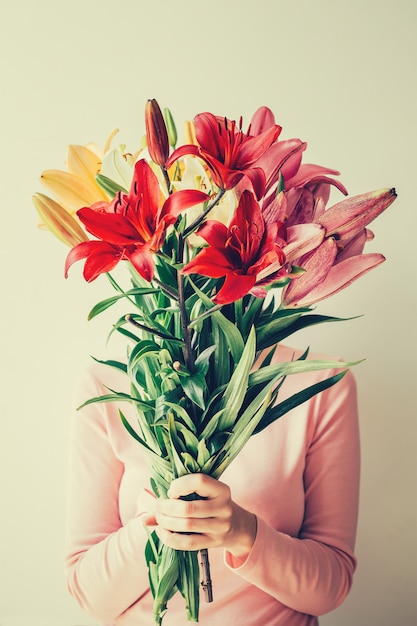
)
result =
(106, 572)
(312, 572)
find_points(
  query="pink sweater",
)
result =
(300, 476)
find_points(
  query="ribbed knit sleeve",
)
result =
(106, 572)
(312, 572)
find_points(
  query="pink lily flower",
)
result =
(339, 260)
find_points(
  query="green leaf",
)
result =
(108, 302)
(176, 447)
(269, 326)
(277, 411)
(190, 463)
(116, 364)
(151, 548)
(236, 389)
(230, 331)
(119, 327)
(189, 582)
(203, 455)
(220, 371)
(116, 397)
(193, 387)
(168, 571)
(202, 362)
(211, 425)
(251, 313)
(286, 368)
(189, 438)
(141, 350)
(181, 414)
(272, 334)
(110, 186)
(240, 435)
(242, 430)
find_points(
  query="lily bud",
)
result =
(347, 218)
(171, 128)
(156, 133)
(58, 220)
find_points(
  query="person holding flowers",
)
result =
(177, 457)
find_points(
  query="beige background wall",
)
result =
(340, 75)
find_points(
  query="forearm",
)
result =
(305, 575)
(109, 576)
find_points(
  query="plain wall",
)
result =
(341, 75)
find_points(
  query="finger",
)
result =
(202, 484)
(188, 508)
(181, 541)
(207, 525)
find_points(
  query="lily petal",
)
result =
(212, 262)
(262, 120)
(100, 257)
(282, 158)
(180, 201)
(70, 191)
(116, 167)
(214, 233)
(254, 147)
(301, 239)
(234, 287)
(309, 173)
(111, 227)
(317, 265)
(83, 162)
(339, 277)
(141, 259)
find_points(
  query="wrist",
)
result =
(245, 535)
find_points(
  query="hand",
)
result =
(215, 521)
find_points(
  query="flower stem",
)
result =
(206, 582)
(186, 331)
(166, 178)
(201, 217)
(190, 364)
(153, 331)
(168, 290)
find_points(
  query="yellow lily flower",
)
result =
(77, 187)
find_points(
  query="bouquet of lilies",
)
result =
(228, 243)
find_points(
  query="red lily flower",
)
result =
(230, 153)
(247, 252)
(131, 227)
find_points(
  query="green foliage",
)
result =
(196, 415)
